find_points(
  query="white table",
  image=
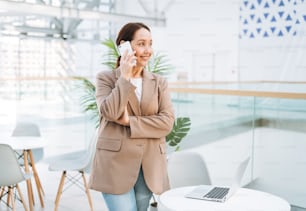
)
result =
(244, 200)
(23, 142)
(26, 144)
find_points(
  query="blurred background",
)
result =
(239, 74)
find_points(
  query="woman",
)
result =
(136, 114)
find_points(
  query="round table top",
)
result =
(244, 200)
(23, 142)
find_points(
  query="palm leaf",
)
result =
(110, 58)
(88, 98)
(159, 64)
(180, 129)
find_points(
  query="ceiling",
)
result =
(70, 19)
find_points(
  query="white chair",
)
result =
(28, 129)
(74, 162)
(187, 168)
(11, 174)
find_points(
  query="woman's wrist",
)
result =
(124, 73)
(125, 77)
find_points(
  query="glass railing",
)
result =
(268, 86)
(267, 125)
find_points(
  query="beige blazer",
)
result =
(122, 150)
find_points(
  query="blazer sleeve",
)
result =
(112, 95)
(158, 125)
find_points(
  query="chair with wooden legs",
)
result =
(79, 163)
(11, 175)
(28, 129)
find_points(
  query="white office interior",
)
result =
(238, 72)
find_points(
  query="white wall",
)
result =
(201, 40)
(273, 40)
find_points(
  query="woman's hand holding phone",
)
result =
(128, 59)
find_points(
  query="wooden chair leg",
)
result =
(11, 193)
(21, 198)
(2, 192)
(29, 184)
(36, 177)
(8, 196)
(59, 191)
(87, 191)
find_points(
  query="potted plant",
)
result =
(158, 64)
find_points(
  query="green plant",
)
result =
(110, 58)
(88, 98)
(158, 64)
(180, 129)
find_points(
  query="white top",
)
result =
(243, 200)
(138, 83)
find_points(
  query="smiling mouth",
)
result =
(145, 57)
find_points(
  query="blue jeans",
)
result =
(137, 199)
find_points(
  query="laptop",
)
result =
(219, 194)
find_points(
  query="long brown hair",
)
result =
(127, 33)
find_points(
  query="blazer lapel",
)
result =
(134, 104)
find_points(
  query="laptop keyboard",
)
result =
(217, 193)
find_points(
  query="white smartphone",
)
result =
(125, 46)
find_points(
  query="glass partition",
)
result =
(270, 127)
(54, 105)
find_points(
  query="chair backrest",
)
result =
(26, 129)
(91, 149)
(186, 168)
(32, 130)
(11, 172)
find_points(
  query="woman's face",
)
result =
(142, 44)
